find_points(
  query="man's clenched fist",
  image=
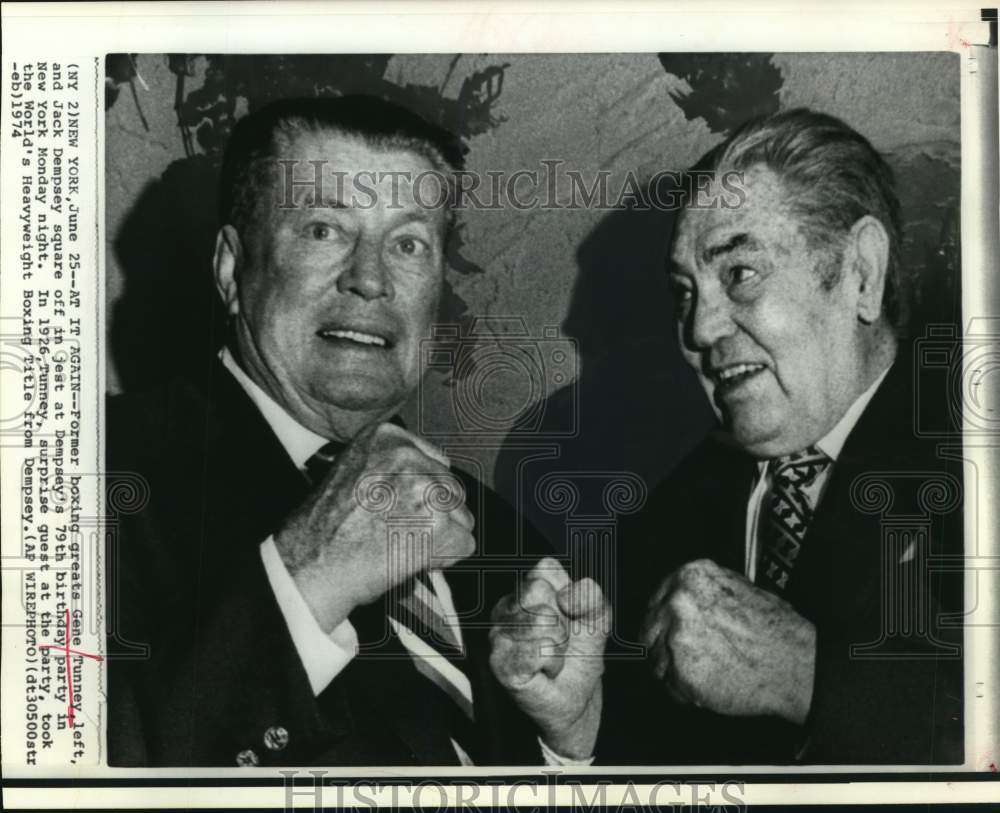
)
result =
(337, 546)
(548, 652)
(718, 641)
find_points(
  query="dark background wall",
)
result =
(596, 385)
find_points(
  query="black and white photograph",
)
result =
(535, 409)
(460, 404)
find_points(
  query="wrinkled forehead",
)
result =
(758, 215)
(346, 172)
(348, 152)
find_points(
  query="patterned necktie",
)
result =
(789, 513)
(415, 605)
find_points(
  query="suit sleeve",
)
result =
(323, 655)
(220, 670)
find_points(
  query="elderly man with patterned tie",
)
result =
(309, 582)
(788, 617)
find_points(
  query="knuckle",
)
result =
(677, 605)
(504, 608)
(500, 652)
(548, 563)
(445, 493)
(384, 429)
(456, 544)
(690, 574)
(686, 648)
(389, 433)
(537, 591)
(410, 458)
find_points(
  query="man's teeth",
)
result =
(355, 336)
(738, 370)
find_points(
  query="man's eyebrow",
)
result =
(740, 240)
(421, 214)
(303, 202)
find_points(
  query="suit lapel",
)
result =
(254, 486)
(736, 482)
(840, 540)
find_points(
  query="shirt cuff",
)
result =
(550, 757)
(323, 656)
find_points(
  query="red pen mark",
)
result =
(993, 767)
(65, 651)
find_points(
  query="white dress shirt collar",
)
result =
(299, 442)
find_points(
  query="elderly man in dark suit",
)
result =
(309, 582)
(795, 612)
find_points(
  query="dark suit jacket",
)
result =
(896, 701)
(201, 663)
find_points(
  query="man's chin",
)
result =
(364, 399)
(356, 388)
(758, 439)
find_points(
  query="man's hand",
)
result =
(548, 652)
(337, 546)
(719, 642)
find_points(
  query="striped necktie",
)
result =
(424, 628)
(789, 513)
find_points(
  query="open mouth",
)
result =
(355, 338)
(730, 377)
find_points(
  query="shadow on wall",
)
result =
(169, 319)
(639, 409)
(635, 407)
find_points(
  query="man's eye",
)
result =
(412, 247)
(682, 293)
(739, 274)
(320, 231)
(683, 298)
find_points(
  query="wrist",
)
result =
(798, 700)
(330, 599)
(576, 739)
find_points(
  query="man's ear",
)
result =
(869, 264)
(227, 262)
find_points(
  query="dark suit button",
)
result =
(247, 758)
(276, 738)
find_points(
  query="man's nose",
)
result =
(366, 276)
(709, 321)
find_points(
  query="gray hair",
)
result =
(835, 177)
